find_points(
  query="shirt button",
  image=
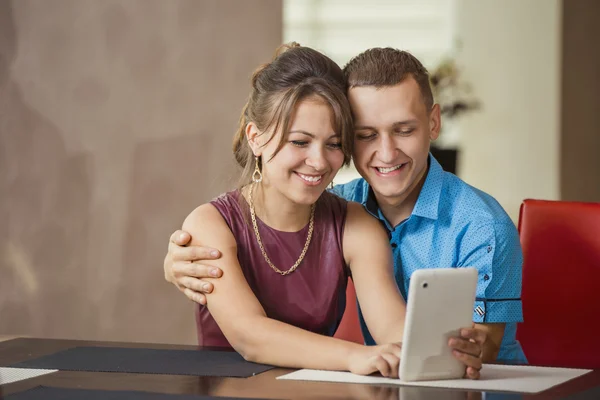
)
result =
(489, 249)
(486, 277)
(394, 245)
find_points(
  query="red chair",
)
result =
(561, 283)
(349, 328)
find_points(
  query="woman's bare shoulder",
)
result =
(206, 226)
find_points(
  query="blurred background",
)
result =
(116, 119)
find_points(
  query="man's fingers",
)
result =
(472, 373)
(195, 296)
(468, 360)
(197, 285)
(465, 346)
(180, 238)
(194, 253)
(208, 271)
(477, 335)
(186, 269)
(180, 252)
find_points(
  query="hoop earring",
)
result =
(256, 175)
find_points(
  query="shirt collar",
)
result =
(428, 202)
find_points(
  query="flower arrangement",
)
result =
(449, 90)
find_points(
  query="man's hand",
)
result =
(182, 269)
(468, 349)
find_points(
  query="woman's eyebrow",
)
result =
(312, 135)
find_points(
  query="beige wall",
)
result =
(116, 120)
(511, 53)
(535, 66)
(580, 128)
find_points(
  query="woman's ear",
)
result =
(253, 136)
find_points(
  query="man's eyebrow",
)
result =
(395, 124)
(312, 135)
(405, 122)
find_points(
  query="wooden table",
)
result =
(260, 386)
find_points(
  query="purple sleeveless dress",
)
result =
(313, 297)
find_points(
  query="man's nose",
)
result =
(387, 151)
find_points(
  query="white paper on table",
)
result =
(10, 375)
(504, 378)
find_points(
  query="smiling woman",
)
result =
(296, 74)
(306, 163)
(287, 245)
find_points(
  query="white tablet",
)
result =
(440, 303)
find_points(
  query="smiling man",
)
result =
(433, 219)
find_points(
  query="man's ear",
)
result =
(253, 136)
(435, 122)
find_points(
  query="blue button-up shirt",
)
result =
(455, 225)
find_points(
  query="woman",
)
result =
(287, 245)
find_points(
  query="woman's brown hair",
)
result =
(296, 73)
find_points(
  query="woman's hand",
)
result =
(384, 359)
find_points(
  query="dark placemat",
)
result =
(593, 393)
(54, 393)
(148, 361)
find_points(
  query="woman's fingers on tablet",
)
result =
(393, 364)
(393, 348)
(381, 364)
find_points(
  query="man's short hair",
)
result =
(382, 67)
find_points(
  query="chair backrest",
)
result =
(561, 283)
(349, 328)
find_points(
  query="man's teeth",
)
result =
(387, 170)
(310, 178)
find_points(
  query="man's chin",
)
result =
(388, 191)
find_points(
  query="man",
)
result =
(434, 219)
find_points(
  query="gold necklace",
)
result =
(260, 244)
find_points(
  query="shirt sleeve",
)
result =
(495, 251)
(346, 191)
